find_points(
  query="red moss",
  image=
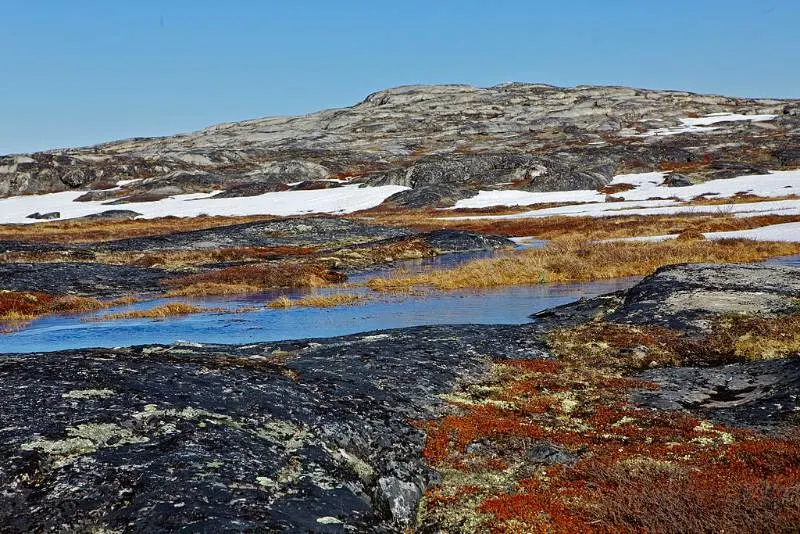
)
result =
(638, 469)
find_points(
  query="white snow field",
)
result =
(344, 199)
(703, 124)
(650, 197)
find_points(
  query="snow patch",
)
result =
(702, 124)
(346, 199)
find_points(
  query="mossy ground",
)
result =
(609, 466)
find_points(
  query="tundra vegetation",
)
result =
(555, 445)
(581, 260)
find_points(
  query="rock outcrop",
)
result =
(446, 142)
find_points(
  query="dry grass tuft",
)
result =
(211, 288)
(579, 260)
(253, 278)
(595, 228)
(691, 235)
(173, 309)
(315, 301)
(27, 305)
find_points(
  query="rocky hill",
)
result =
(445, 142)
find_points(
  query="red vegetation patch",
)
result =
(633, 469)
(22, 305)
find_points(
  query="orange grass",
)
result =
(27, 305)
(579, 260)
(596, 228)
(253, 278)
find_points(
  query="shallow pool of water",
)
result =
(510, 305)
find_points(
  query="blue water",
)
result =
(508, 305)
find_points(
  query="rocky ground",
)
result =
(444, 142)
(141, 266)
(328, 435)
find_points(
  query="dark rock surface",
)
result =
(755, 394)
(301, 231)
(45, 216)
(84, 279)
(114, 215)
(296, 437)
(684, 297)
(434, 196)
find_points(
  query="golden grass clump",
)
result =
(690, 235)
(244, 278)
(173, 309)
(315, 301)
(213, 288)
(581, 260)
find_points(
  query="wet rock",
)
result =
(447, 241)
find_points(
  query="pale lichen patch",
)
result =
(88, 394)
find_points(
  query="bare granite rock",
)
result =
(446, 141)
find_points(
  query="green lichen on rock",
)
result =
(84, 439)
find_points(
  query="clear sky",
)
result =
(78, 72)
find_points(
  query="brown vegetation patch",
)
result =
(626, 348)
(173, 309)
(587, 227)
(578, 260)
(613, 189)
(28, 305)
(738, 198)
(90, 231)
(243, 278)
(316, 301)
(686, 166)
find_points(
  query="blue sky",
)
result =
(79, 72)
